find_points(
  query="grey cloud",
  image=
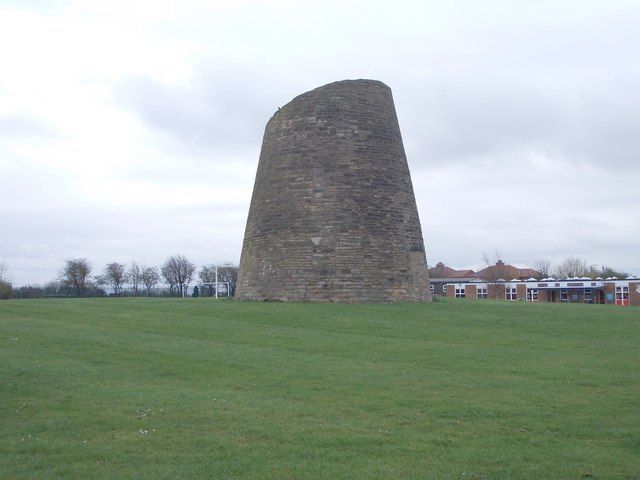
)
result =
(453, 119)
(222, 110)
(566, 86)
(41, 6)
(528, 210)
(479, 87)
(21, 126)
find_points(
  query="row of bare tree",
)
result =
(575, 267)
(76, 279)
(177, 272)
(572, 267)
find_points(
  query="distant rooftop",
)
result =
(442, 271)
(493, 272)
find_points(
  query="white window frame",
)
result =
(511, 293)
(622, 293)
(461, 292)
(482, 292)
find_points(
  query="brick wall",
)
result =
(471, 291)
(543, 295)
(495, 292)
(610, 288)
(634, 296)
(451, 291)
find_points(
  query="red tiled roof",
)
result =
(464, 273)
(507, 272)
(442, 271)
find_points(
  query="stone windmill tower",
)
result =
(333, 216)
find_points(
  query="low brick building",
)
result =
(610, 291)
(441, 275)
(504, 271)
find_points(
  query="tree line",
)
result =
(177, 272)
(76, 279)
(576, 267)
(571, 267)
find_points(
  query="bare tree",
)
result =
(52, 288)
(4, 271)
(169, 276)
(227, 273)
(572, 267)
(28, 291)
(75, 275)
(612, 272)
(114, 275)
(134, 277)
(149, 277)
(543, 266)
(207, 273)
(6, 290)
(494, 271)
(178, 272)
(606, 272)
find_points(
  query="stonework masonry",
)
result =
(333, 215)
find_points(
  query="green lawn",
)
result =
(194, 388)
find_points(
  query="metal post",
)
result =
(216, 281)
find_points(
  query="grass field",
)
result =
(194, 388)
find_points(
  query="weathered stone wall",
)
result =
(333, 215)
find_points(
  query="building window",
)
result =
(510, 293)
(444, 289)
(482, 292)
(588, 298)
(432, 288)
(460, 292)
(622, 293)
(532, 295)
(563, 296)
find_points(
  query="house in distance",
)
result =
(442, 275)
(506, 282)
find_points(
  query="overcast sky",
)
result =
(131, 130)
